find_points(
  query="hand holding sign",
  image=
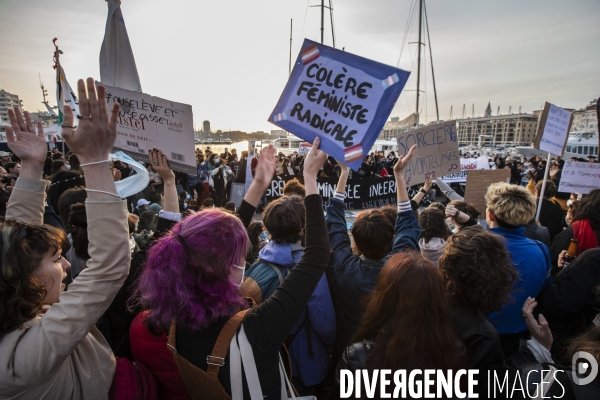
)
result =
(314, 160)
(160, 165)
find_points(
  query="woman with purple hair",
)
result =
(190, 285)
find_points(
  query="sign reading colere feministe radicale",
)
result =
(342, 98)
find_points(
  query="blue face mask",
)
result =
(68, 167)
(184, 205)
(263, 236)
(188, 197)
(217, 160)
(135, 183)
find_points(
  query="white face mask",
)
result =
(242, 279)
(569, 203)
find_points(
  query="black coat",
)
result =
(552, 217)
(482, 347)
(570, 303)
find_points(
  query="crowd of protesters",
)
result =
(177, 293)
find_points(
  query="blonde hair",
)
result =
(511, 204)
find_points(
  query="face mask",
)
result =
(263, 236)
(569, 203)
(68, 167)
(187, 196)
(242, 279)
(217, 160)
(134, 183)
(6, 180)
(184, 205)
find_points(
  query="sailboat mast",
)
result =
(437, 110)
(290, 64)
(322, 19)
(419, 59)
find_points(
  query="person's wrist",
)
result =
(92, 159)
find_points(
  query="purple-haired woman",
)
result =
(192, 278)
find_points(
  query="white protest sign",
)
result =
(437, 152)
(304, 148)
(147, 122)
(553, 129)
(461, 177)
(579, 177)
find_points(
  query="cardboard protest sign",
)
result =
(342, 98)
(478, 183)
(147, 122)
(579, 177)
(304, 148)
(553, 129)
(437, 152)
(461, 177)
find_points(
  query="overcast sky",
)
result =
(229, 59)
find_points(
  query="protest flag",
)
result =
(117, 65)
(64, 93)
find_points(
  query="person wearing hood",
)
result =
(434, 235)
(314, 333)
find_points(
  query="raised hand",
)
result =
(540, 331)
(160, 164)
(403, 161)
(29, 146)
(265, 169)
(96, 134)
(314, 159)
(428, 183)
(263, 173)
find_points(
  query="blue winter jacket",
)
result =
(310, 357)
(352, 277)
(532, 261)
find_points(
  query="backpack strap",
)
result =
(217, 358)
(276, 270)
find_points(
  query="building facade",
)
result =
(500, 130)
(586, 119)
(7, 100)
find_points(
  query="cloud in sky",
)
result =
(229, 60)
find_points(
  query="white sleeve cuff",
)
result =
(540, 353)
(171, 216)
(340, 196)
(404, 206)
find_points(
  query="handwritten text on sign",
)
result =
(147, 122)
(554, 131)
(437, 152)
(341, 98)
(579, 177)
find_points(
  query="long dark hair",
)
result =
(22, 248)
(433, 223)
(408, 316)
(589, 208)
